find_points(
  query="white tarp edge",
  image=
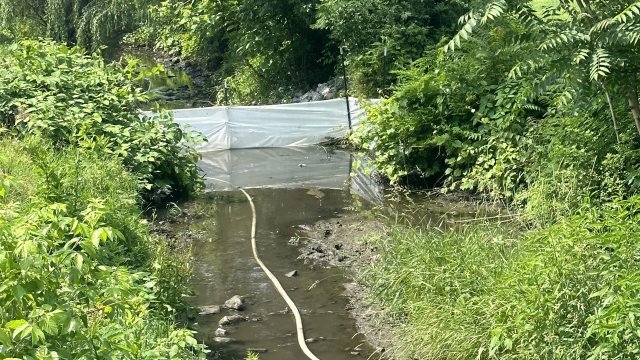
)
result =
(243, 127)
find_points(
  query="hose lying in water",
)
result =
(274, 280)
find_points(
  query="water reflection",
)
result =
(290, 168)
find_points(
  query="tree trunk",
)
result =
(635, 107)
(613, 113)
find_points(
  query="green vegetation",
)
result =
(531, 103)
(82, 278)
(59, 94)
(90, 24)
(477, 292)
(301, 47)
(252, 356)
(528, 109)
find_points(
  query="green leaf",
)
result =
(14, 324)
(19, 292)
(5, 338)
(22, 331)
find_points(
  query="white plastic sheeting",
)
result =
(243, 127)
(292, 168)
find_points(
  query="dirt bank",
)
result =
(345, 242)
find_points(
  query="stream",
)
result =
(295, 190)
(292, 189)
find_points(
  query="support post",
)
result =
(346, 86)
(226, 94)
(384, 72)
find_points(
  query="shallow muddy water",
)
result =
(290, 188)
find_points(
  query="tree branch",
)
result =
(40, 16)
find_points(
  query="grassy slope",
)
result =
(565, 292)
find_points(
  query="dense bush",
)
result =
(89, 24)
(80, 275)
(407, 28)
(456, 118)
(59, 94)
(565, 292)
(229, 39)
(507, 116)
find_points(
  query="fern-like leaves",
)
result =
(600, 64)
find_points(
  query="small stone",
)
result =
(291, 273)
(235, 303)
(230, 320)
(313, 340)
(355, 353)
(302, 165)
(220, 332)
(219, 339)
(327, 232)
(338, 246)
(209, 310)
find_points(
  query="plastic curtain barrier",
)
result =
(244, 127)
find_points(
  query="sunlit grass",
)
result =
(488, 291)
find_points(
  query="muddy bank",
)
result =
(345, 242)
(350, 241)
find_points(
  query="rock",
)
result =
(231, 319)
(235, 303)
(220, 332)
(313, 340)
(328, 232)
(355, 353)
(326, 91)
(291, 273)
(311, 96)
(209, 310)
(219, 339)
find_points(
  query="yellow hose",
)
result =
(274, 280)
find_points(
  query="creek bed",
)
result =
(292, 190)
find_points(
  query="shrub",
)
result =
(61, 95)
(80, 275)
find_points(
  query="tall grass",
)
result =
(565, 292)
(436, 284)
